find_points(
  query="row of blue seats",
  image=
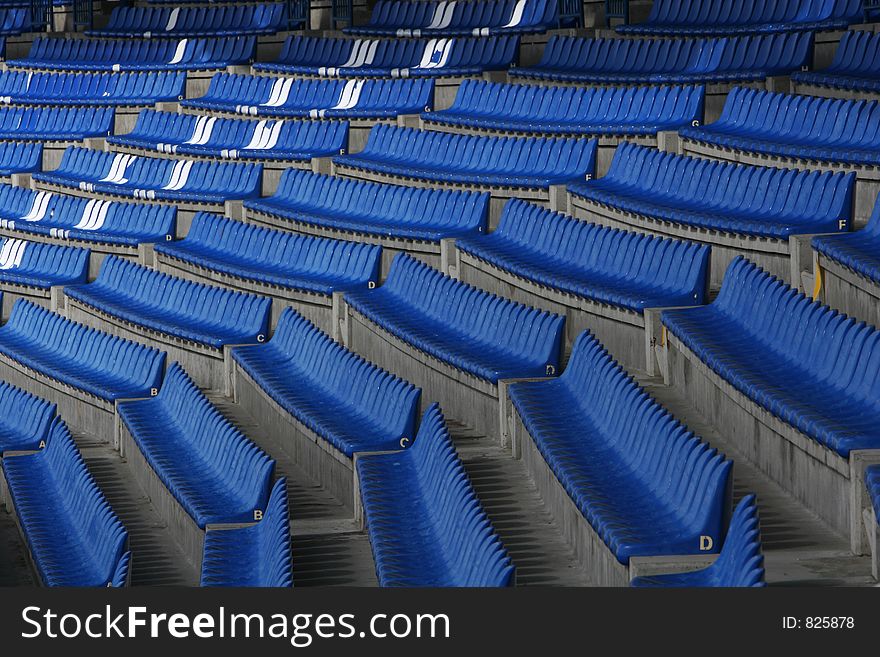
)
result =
(646, 485)
(614, 267)
(133, 55)
(749, 200)
(436, 533)
(276, 258)
(797, 351)
(20, 157)
(720, 17)
(151, 178)
(377, 209)
(235, 139)
(571, 110)
(474, 331)
(25, 88)
(73, 536)
(799, 127)
(38, 265)
(670, 61)
(92, 220)
(15, 21)
(399, 58)
(414, 18)
(256, 95)
(856, 65)
(207, 315)
(55, 123)
(474, 160)
(224, 20)
(859, 251)
(24, 420)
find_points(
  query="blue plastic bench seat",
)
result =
(73, 535)
(393, 211)
(677, 18)
(856, 65)
(94, 89)
(670, 61)
(33, 264)
(799, 127)
(235, 139)
(732, 198)
(858, 251)
(414, 18)
(645, 484)
(55, 123)
(15, 21)
(90, 220)
(154, 178)
(258, 555)
(213, 470)
(258, 95)
(100, 364)
(282, 259)
(426, 525)
(207, 315)
(20, 157)
(472, 330)
(133, 55)
(872, 481)
(237, 19)
(393, 58)
(346, 400)
(740, 563)
(24, 419)
(474, 160)
(785, 353)
(610, 266)
(571, 110)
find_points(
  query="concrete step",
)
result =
(14, 567)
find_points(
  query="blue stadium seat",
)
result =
(15, 21)
(670, 61)
(483, 334)
(55, 123)
(395, 211)
(426, 525)
(725, 17)
(571, 110)
(25, 88)
(73, 535)
(154, 178)
(100, 364)
(18, 157)
(858, 251)
(474, 160)
(213, 470)
(257, 95)
(415, 18)
(618, 268)
(646, 485)
(798, 351)
(282, 259)
(134, 55)
(740, 563)
(92, 220)
(801, 127)
(346, 400)
(24, 419)
(235, 139)
(734, 198)
(211, 316)
(856, 65)
(396, 58)
(258, 555)
(33, 264)
(237, 19)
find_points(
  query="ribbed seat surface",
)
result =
(34, 264)
(24, 419)
(349, 402)
(426, 524)
(483, 334)
(20, 157)
(55, 123)
(858, 251)
(646, 485)
(856, 65)
(237, 19)
(24, 88)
